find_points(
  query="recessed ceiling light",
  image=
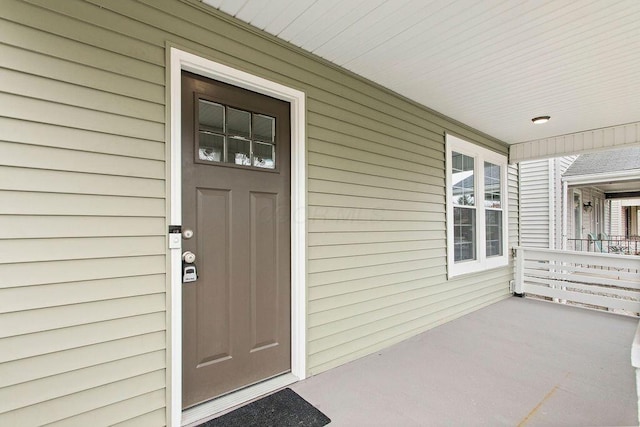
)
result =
(540, 120)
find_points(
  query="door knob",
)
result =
(189, 257)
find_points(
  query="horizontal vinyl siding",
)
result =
(377, 238)
(364, 326)
(82, 203)
(565, 162)
(534, 203)
(377, 235)
(562, 164)
(82, 112)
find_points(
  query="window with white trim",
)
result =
(476, 207)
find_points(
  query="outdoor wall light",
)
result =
(587, 206)
(540, 120)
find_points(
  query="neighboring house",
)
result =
(335, 251)
(605, 189)
(601, 192)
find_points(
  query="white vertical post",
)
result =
(519, 285)
(552, 276)
(565, 214)
(552, 203)
(638, 391)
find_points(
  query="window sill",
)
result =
(468, 268)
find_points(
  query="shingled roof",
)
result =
(605, 161)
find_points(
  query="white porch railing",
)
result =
(606, 281)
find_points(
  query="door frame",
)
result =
(180, 59)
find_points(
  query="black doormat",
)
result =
(282, 409)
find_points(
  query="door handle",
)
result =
(188, 257)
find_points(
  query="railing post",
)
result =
(519, 279)
(552, 276)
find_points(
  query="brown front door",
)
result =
(236, 201)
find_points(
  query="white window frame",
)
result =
(481, 155)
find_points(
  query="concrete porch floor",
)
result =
(517, 362)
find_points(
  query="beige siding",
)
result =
(99, 396)
(121, 413)
(82, 202)
(83, 205)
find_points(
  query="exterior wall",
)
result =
(541, 207)
(83, 204)
(82, 246)
(535, 218)
(561, 165)
(589, 194)
(617, 223)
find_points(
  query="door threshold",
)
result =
(212, 407)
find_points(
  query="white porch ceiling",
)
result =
(619, 187)
(492, 64)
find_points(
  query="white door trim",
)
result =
(182, 60)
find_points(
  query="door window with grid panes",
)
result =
(229, 135)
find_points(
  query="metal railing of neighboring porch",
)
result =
(596, 280)
(611, 244)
